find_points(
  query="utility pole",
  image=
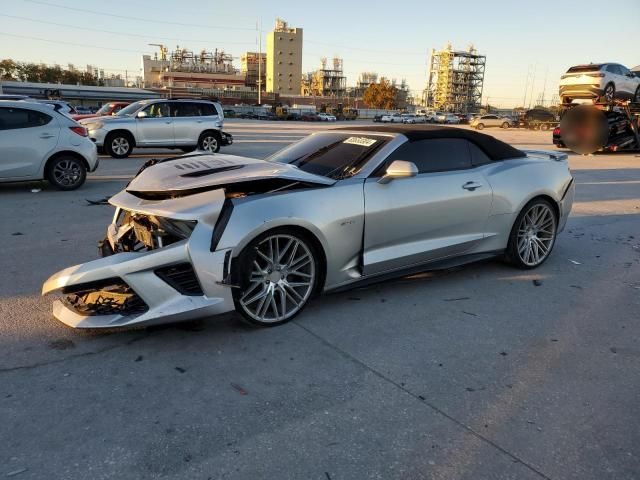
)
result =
(544, 87)
(259, 63)
(533, 81)
(526, 87)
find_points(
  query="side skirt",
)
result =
(419, 268)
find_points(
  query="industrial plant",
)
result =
(455, 80)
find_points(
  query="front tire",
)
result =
(505, 125)
(209, 142)
(66, 172)
(278, 272)
(480, 126)
(119, 145)
(533, 235)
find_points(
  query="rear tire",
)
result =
(609, 94)
(278, 272)
(480, 126)
(544, 126)
(209, 142)
(505, 125)
(66, 172)
(119, 144)
(533, 235)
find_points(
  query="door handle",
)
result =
(471, 186)
(47, 135)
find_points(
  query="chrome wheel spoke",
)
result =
(281, 279)
(536, 234)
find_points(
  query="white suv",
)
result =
(37, 142)
(184, 124)
(602, 82)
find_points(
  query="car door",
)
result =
(187, 118)
(156, 127)
(440, 212)
(27, 137)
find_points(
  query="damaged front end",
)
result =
(160, 261)
(138, 232)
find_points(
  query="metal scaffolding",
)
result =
(455, 80)
(329, 80)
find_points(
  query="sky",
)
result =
(527, 44)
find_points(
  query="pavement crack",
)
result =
(424, 401)
(73, 357)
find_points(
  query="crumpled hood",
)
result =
(201, 171)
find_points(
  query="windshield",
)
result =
(104, 109)
(130, 110)
(331, 154)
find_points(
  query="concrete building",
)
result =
(284, 59)
(254, 67)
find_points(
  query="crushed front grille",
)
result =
(111, 297)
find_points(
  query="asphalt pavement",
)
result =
(479, 372)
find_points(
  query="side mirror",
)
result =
(399, 169)
(141, 114)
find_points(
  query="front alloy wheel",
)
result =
(534, 235)
(280, 276)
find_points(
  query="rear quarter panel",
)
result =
(516, 182)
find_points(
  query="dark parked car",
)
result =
(310, 117)
(537, 118)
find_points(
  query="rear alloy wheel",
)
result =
(505, 125)
(609, 93)
(66, 173)
(119, 145)
(209, 142)
(544, 126)
(533, 235)
(278, 273)
(480, 126)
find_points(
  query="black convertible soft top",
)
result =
(494, 148)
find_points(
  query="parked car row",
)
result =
(40, 139)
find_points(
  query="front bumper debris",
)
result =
(140, 289)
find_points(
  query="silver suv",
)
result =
(185, 124)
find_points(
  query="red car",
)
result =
(109, 108)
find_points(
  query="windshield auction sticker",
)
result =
(362, 141)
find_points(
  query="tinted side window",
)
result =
(613, 69)
(478, 157)
(186, 110)
(208, 109)
(12, 118)
(157, 110)
(435, 155)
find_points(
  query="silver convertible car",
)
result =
(203, 234)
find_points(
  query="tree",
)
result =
(380, 95)
(8, 69)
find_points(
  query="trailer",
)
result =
(606, 127)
